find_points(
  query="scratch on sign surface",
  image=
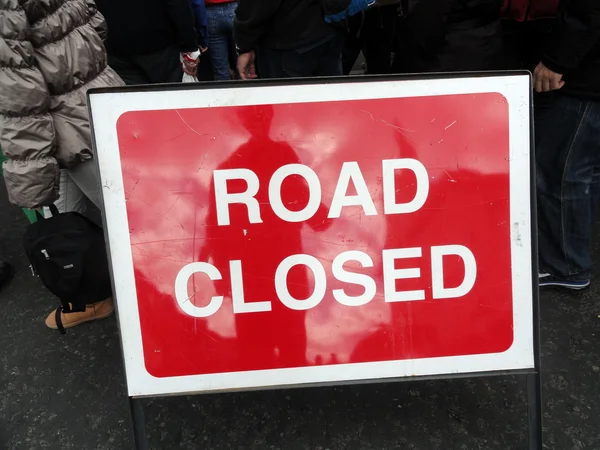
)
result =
(451, 125)
(397, 128)
(190, 297)
(452, 180)
(188, 125)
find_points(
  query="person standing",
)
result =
(220, 15)
(146, 39)
(567, 119)
(50, 57)
(287, 38)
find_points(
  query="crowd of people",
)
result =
(52, 51)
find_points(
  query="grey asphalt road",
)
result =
(68, 392)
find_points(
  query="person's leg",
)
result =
(129, 72)
(328, 58)
(568, 161)
(220, 25)
(231, 49)
(77, 192)
(80, 192)
(70, 198)
(86, 178)
(233, 58)
(353, 43)
(379, 35)
(270, 63)
(205, 71)
(323, 59)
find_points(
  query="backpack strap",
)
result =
(58, 319)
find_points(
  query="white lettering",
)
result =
(314, 192)
(281, 286)
(337, 268)
(391, 274)
(389, 185)
(223, 198)
(181, 290)
(237, 292)
(351, 171)
(437, 271)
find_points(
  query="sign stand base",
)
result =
(534, 410)
(138, 420)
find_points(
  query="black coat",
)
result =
(450, 35)
(573, 48)
(279, 24)
(137, 27)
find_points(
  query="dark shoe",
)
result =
(6, 274)
(547, 280)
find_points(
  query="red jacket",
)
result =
(214, 2)
(522, 10)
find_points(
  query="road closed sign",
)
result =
(277, 235)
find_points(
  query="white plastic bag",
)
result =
(189, 79)
(190, 56)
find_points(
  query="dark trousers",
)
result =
(158, 67)
(568, 183)
(220, 37)
(374, 34)
(322, 60)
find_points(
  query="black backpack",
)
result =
(68, 253)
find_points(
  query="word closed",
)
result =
(350, 173)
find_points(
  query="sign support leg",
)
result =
(534, 410)
(139, 424)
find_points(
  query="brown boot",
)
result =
(94, 311)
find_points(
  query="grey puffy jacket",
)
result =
(51, 53)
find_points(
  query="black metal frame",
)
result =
(534, 380)
(138, 419)
(532, 376)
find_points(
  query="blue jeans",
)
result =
(324, 59)
(568, 183)
(220, 37)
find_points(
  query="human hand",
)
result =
(245, 65)
(545, 80)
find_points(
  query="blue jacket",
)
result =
(200, 21)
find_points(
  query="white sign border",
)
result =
(107, 107)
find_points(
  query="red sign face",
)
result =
(306, 234)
